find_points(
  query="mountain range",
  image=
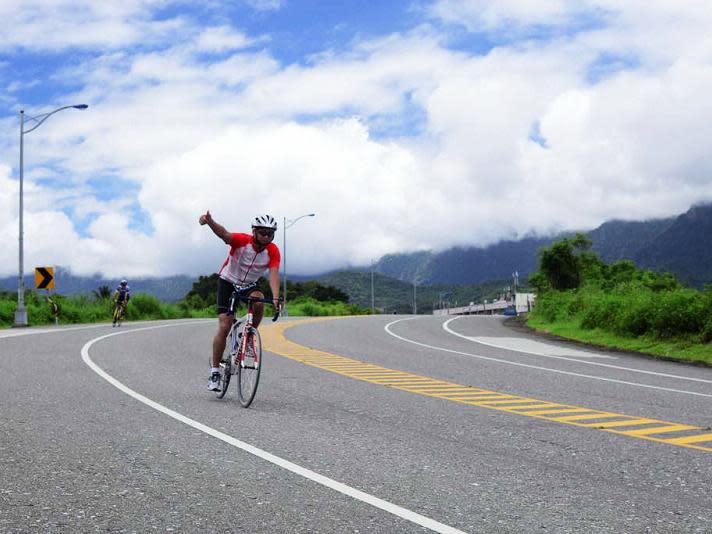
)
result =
(681, 245)
(166, 289)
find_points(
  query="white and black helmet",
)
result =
(264, 221)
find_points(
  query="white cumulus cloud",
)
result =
(404, 142)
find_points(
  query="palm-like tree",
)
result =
(103, 292)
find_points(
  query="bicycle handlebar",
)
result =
(247, 298)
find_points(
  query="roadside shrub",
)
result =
(142, 306)
(171, 311)
(624, 300)
(553, 305)
(193, 302)
(576, 303)
(706, 335)
(89, 309)
(309, 307)
(678, 312)
(7, 312)
(601, 311)
(633, 316)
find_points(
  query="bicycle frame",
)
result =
(119, 311)
(239, 352)
(242, 352)
(242, 336)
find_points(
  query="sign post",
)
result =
(44, 279)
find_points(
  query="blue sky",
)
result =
(390, 120)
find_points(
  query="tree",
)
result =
(206, 288)
(566, 263)
(102, 292)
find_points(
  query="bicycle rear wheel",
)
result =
(248, 373)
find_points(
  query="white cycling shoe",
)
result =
(214, 383)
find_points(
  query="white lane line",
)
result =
(32, 331)
(518, 364)
(276, 460)
(528, 346)
(447, 328)
(61, 329)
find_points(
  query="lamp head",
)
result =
(81, 106)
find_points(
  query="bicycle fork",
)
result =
(242, 341)
(243, 358)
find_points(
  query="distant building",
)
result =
(522, 303)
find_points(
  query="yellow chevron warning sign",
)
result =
(44, 277)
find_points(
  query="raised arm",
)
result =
(218, 229)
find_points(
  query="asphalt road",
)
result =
(370, 424)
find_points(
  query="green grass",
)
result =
(307, 306)
(683, 348)
(83, 309)
(620, 306)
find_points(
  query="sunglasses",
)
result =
(265, 233)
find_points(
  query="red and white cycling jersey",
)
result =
(244, 264)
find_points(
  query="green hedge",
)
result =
(90, 309)
(632, 310)
(87, 309)
(311, 307)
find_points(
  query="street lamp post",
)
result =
(21, 312)
(415, 298)
(287, 224)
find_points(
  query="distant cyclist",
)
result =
(121, 300)
(247, 260)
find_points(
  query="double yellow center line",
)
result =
(690, 436)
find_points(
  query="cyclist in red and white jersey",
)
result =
(248, 259)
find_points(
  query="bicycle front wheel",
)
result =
(249, 369)
(226, 364)
(226, 373)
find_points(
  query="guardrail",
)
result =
(522, 302)
(476, 309)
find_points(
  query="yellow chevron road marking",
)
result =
(659, 430)
(552, 412)
(626, 422)
(691, 439)
(698, 438)
(512, 400)
(601, 415)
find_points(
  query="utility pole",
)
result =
(286, 224)
(21, 312)
(373, 300)
(415, 298)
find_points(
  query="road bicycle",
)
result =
(243, 351)
(119, 312)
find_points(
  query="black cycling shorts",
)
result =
(225, 290)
